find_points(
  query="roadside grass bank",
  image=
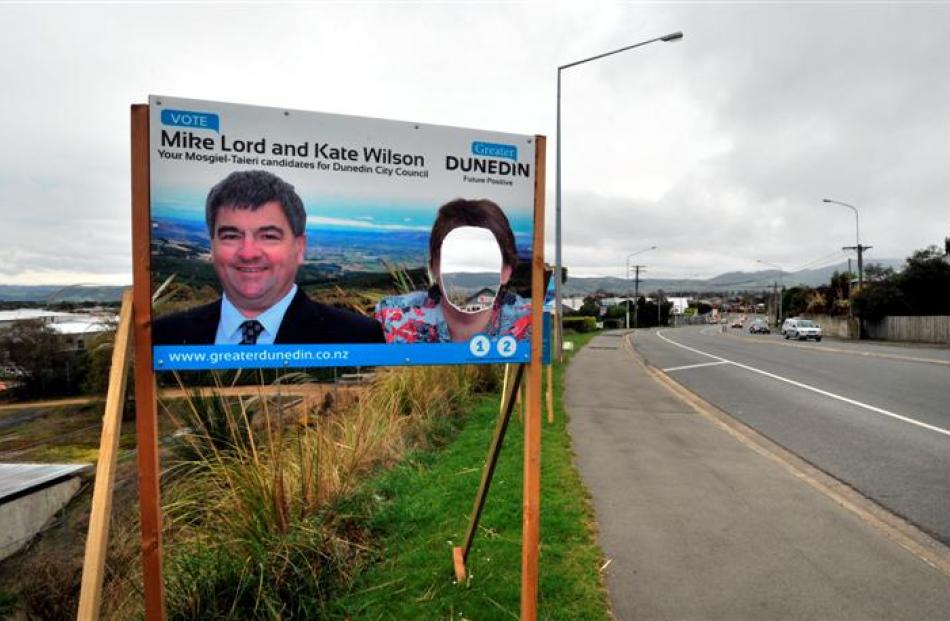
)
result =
(290, 508)
(420, 510)
(254, 490)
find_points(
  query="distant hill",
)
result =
(50, 294)
(723, 283)
(575, 286)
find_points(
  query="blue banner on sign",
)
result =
(192, 120)
(491, 149)
(480, 350)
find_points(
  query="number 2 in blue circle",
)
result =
(507, 345)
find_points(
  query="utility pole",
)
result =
(778, 303)
(860, 248)
(781, 277)
(626, 324)
(636, 291)
(857, 238)
(659, 305)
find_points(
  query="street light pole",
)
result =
(857, 238)
(673, 36)
(638, 267)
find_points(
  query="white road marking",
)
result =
(695, 366)
(819, 391)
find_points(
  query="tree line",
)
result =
(922, 287)
(35, 363)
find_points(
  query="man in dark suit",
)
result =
(256, 221)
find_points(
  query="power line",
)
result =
(836, 255)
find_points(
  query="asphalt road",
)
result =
(875, 417)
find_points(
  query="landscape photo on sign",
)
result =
(317, 238)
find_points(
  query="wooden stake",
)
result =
(504, 387)
(531, 509)
(146, 410)
(460, 554)
(458, 562)
(97, 541)
(549, 393)
(519, 402)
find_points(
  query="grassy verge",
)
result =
(253, 493)
(420, 510)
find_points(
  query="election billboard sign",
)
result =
(285, 238)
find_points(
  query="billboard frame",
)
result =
(146, 406)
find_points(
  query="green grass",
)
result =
(420, 511)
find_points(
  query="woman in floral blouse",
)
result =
(429, 316)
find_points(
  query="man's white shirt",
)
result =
(229, 326)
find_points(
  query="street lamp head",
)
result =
(673, 36)
(826, 200)
(632, 254)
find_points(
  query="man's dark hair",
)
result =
(250, 189)
(482, 213)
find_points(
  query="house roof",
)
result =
(22, 314)
(92, 326)
(15, 479)
(62, 323)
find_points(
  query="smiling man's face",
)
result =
(256, 255)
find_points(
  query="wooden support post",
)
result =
(549, 393)
(460, 554)
(531, 508)
(146, 409)
(504, 387)
(97, 541)
(519, 402)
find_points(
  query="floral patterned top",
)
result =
(417, 317)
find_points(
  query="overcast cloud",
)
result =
(717, 149)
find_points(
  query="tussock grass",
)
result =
(255, 524)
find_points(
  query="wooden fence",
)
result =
(933, 329)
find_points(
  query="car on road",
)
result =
(737, 323)
(759, 326)
(801, 329)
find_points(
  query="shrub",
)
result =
(580, 324)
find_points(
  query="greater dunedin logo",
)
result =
(491, 159)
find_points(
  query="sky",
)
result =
(716, 149)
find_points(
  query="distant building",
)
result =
(75, 329)
(482, 299)
(8, 318)
(30, 496)
(573, 303)
(679, 304)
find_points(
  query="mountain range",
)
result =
(575, 286)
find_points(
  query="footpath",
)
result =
(700, 518)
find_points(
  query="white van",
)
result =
(802, 329)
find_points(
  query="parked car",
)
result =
(802, 329)
(759, 326)
(737, 323)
